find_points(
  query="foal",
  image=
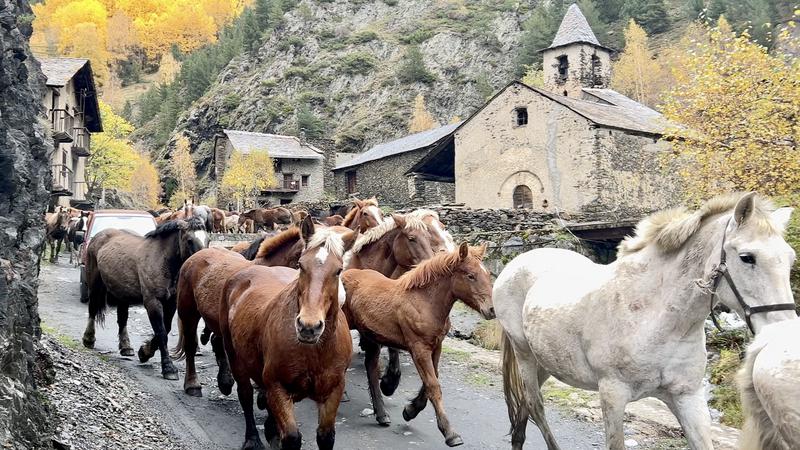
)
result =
(282, 329)
(411, 313)
(364, 215)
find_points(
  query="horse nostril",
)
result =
(319, 325)
(491, 311)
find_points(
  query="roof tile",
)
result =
(277, 146)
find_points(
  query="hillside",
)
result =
(343, 69)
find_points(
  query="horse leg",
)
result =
(692, 412)
(156, 313)
(326, 432)
(52, 250)
(245, 391)
(88, 334)
(224, 377)
(614, 395)
(188, 327)
(418, 403)
(281, 409)
(372, 362)
(125, 348)
(423, 359)
(533, 377)
(391, 378)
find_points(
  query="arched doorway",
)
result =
(523, 197)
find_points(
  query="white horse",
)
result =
(634, 328)
(769, 382)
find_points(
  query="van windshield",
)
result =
(140, 225)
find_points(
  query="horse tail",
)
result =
(178, 352)
(98, 293)
(758, 431)
(513, 387)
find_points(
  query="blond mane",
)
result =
(351, 215)
(423, 213)
(284, 237)
(374, 234)
(671, 228)
(329, 239)
(430, 270)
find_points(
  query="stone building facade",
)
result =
(381, 170)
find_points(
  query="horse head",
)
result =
(318, 278)
(412, 244)
(751, 271)
(472, 283)
(63, 217)
(192, 236)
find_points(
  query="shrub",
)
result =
(297, 72)
(413, 69)
(231, 101)
(390, 2)
(418, 36)
(363, 37)
(357, 63)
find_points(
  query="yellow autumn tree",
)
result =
(183, 170)
(421, 119)
(145, 188)
(534, 77)
(737, 106)
(112, 159)
(637, 73)
(246, 175)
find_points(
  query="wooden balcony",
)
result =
(288, 186)
(63, 124)
(80, 143)
(62, 181)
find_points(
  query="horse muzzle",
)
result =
(309, 333)
(488, 313)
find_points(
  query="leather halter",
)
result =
(719, 272)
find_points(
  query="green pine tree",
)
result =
(413, 69)
(649, 14)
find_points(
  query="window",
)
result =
(523, 197)
(563, 67)
(350, 178)
(288, 181)
(304, 180)
(597, 78)
(278, 166)
(286, 201)
(521, 116)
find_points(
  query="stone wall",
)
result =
(580, 72)
(385, 179)
(24, 185)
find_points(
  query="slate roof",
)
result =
(403, 145)
(60, 70)
(277, 146)
(574, 29)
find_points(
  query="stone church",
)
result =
(574, 147)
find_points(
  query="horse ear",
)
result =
(482, 250)
(744, 208)
(350, 239)
(399, 220)
(781, 216)
(307, 229)
(463, 250)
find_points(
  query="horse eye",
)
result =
(747, 258)
(412, 239)
(471, 276)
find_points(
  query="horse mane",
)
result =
(423, 213)
(268, 246)
(252, 250)
(329, 238)
(373, 234)
(671, 228)
(173, 226)
(430, 270)
(351, 215)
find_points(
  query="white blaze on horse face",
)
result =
(448, 241)
(322, 255)
(342, 293)
(202, 236)
(375, 212)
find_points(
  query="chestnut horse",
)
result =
(123, 268)
(56, 230)
(411, 313)
(200, 284)
(363, 215)
(282, 329)
(266, 217)
(333, 220)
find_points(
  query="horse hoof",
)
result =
(143, 356)
(409, 413)
(252, 444)
(170, 375)
(383, 420)
(194, 391)
(126, 351)
(226, 389)
(454, 441)
(389, 383)
(88, 343)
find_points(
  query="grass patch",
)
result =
(456, 354)
(726, 395)
(565, 396)
(488, 334)
(478, 379)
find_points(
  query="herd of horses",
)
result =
(65, 226)
(278, 313)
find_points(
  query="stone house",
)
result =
(380, 171)
(71, 103)
(573, 148)
(299, 166)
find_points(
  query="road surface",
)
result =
(473, 396)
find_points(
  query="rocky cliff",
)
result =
(349, 70)
(24, 176)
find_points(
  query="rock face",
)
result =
(343, 62)
(24, 179)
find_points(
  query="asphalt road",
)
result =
(473, 396)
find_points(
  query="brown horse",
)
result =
(282, 329)
(217, 220)
(363, 215)
(200, 284)
(411, 313)
(56, 230)
(266, 217)
(441, 240)
(333, 221)
(123, 268)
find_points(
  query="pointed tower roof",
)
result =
(574, 29)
